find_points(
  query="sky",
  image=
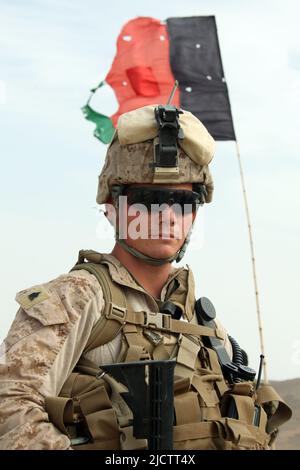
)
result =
(51, 53)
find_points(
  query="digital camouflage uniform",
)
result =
(44, 344)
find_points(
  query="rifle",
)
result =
(150, 398)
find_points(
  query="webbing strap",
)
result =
(160, 321)
(115, 302)
(116, 311)
(200, 430)
(90, 255)
(136, 344)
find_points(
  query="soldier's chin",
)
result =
(161, 248)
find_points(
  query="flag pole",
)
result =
(259, 318)
(93, 91)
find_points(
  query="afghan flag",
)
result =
(151, 55)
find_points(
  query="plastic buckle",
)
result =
(153, 320)
(157, 320)
(166, 321)
(116, 312)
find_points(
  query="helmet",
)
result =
(130, 156)
(157, 145)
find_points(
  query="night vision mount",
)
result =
(165, 145)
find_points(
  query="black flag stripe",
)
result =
(196, 63)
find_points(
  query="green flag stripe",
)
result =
(104, 126)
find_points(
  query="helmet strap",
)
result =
(155, 261)
(144, 257)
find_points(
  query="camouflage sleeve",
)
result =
(42, 347)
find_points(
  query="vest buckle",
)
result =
(157, 320)
(116, 312)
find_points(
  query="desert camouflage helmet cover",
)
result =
(130, 155)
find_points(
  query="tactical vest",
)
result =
(90, 408)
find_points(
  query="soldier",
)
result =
(109, 308)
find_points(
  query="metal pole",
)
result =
(260, 328)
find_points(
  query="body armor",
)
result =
(92, 412)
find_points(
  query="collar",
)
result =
(122, 276)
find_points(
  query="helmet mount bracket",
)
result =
(165, 145)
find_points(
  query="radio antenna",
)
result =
(173, 92)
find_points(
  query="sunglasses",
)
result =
(187, 200)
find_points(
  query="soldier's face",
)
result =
(156, 220)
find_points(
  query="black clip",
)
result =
(169, 130)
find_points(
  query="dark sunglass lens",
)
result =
(187, 200)
(132, 197)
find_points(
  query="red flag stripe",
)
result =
(141, 72)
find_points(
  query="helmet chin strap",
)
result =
(144, 257)
(155, 261)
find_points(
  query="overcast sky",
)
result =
(51, 53)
